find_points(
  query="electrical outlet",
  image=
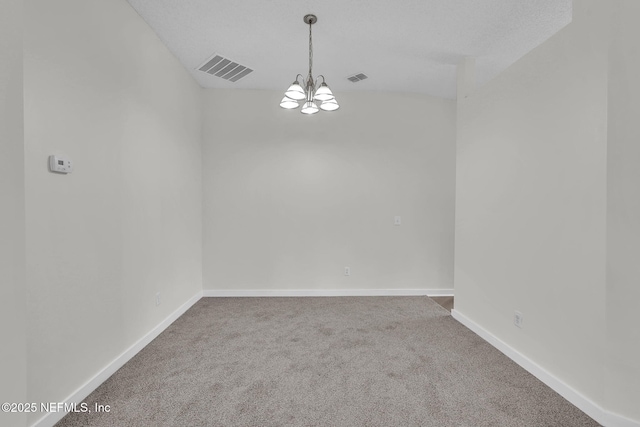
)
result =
(347, 271)
(518, 318)
(158, 299)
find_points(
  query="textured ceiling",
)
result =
(406, 46)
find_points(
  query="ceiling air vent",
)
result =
(227, 69)
(357, 77)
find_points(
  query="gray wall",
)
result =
(623, 213)
(547, 207)
(290, 200)
(12, 227)
(101, 88)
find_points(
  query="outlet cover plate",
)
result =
(518, 319)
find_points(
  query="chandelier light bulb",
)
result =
(309, 107)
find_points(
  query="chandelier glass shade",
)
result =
(289, 103)
(308, 90)
(329, 105)
(295, 92)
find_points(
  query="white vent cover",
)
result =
(357, 77)
(222, 67)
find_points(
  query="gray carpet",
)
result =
(353, 361)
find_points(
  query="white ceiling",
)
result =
(406, 46)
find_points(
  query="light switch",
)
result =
(397, 220)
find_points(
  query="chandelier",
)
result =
(305, 89)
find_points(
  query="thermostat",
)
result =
(60, 164)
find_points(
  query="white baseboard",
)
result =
(327, 292)
(80, 394)
(589, 407)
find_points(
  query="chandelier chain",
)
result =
(310, 54)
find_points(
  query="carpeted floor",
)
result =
(352, 361)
